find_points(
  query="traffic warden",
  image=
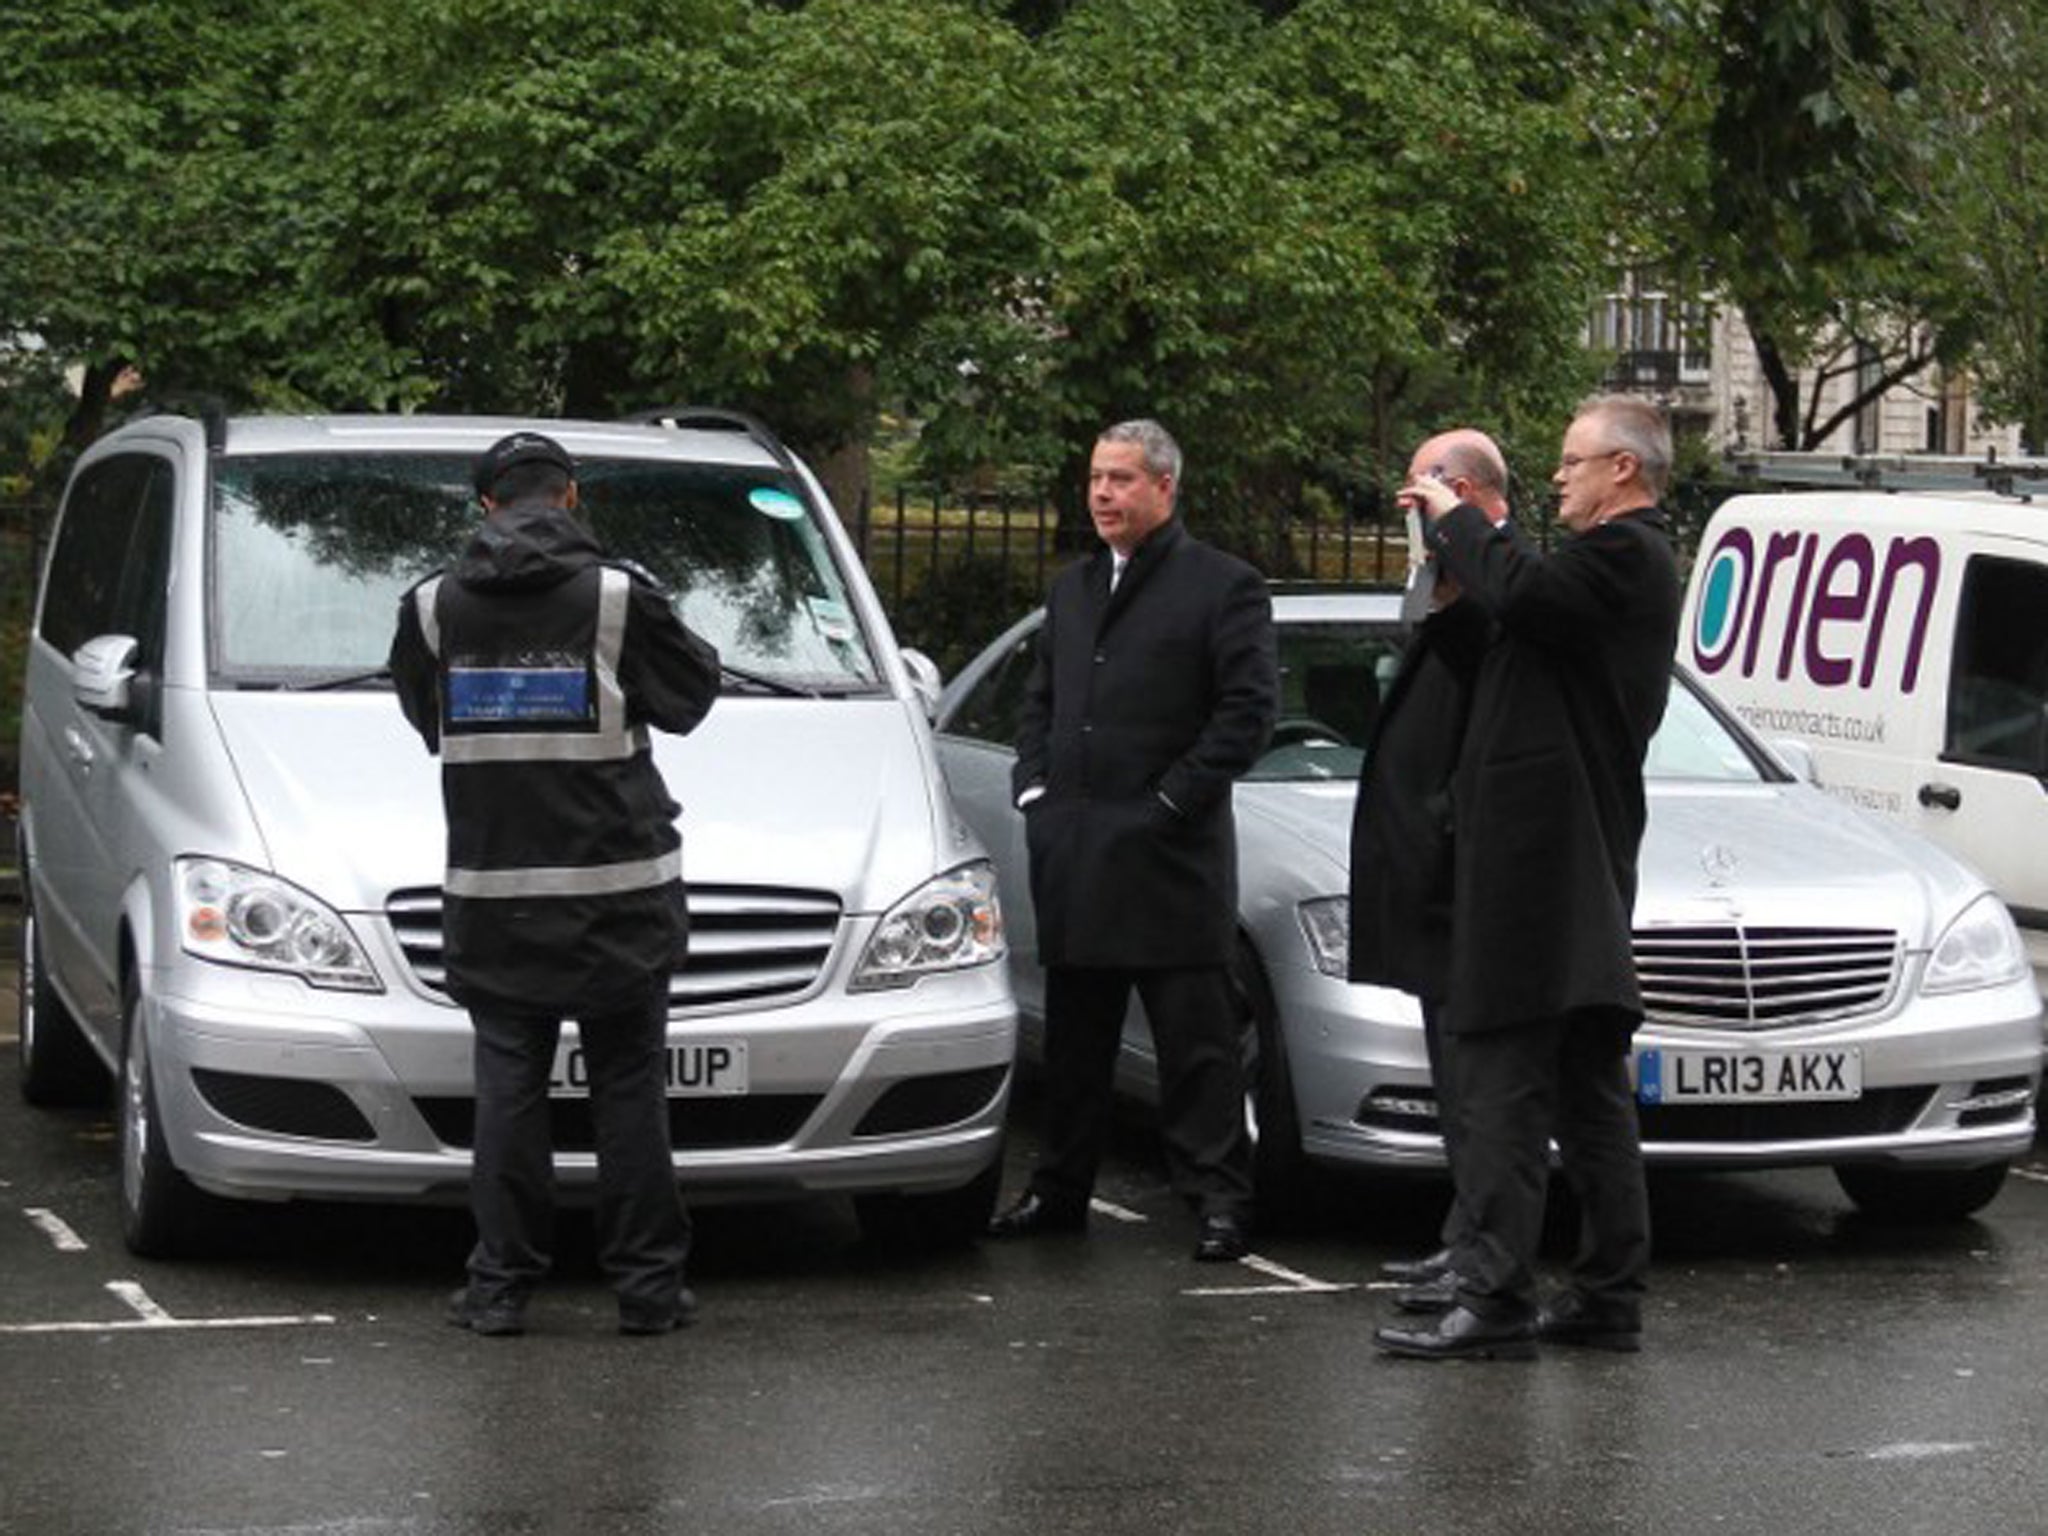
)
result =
(535, 668)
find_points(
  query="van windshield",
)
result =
(310, 554)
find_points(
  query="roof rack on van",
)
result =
(1896, 471)
(211, 410)
(718, 419)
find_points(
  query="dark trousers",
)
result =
(1457, 1226)
(1198, 1034)
(643, 1228)
(1516, 1090)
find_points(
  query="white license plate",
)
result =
(696, 1069)
(1666, 1076)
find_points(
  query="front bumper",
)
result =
(269, 1089)
(1947, 1081)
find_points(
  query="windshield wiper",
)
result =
(761, 683)
(346, 680)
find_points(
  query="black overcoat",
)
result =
(1547, 802)
(1143, 708)
(1401, 841)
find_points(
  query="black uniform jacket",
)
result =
(1143, 708)
(535, 668)
(1401, 827)
(1547, 801)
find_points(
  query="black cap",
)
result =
(520, 448)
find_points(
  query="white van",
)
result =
(232, 843)
(1901, 637)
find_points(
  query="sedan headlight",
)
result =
(1326, 924)
(947, 924)
(1981, 948)
(241, 916)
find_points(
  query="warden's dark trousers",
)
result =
(1197, 1032)
(643, 1229)
(1516, 1089)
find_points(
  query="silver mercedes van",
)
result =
(232, 843)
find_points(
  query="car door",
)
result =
(977, 735)
(108, 575)
(1987, 798)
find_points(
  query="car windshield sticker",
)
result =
(831, 617)
(525, 695)
(776, 503)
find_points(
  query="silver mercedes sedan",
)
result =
(1823, 988)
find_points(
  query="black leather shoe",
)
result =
(1570, 1317)
(1033, 1215)
(1417, 1271)
(640, 1318)
(496, 1317)
(1222, 1239)
(1461, 1334)
(1437, 1295)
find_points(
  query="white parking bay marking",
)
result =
(2037, 1175)
(1114, 1212)
(139, 1301)
(148, 1315)
(54, 1227)
(1292, 1282)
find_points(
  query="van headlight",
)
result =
(947, 924)
(241, 916)
(1981, 948)
(1326, 924)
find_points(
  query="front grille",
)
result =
(751, 1120)
(748, 944)
(1880, 1112)
(1731, 977)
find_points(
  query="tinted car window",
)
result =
(1333, 676)
(100, 521)
(311, 553)
(989, 712)
(1998, 693)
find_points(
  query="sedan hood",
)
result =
(827, 795)
(1790, 854)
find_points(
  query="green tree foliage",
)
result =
(1796, 230)
(1964, 111)
(143, 182)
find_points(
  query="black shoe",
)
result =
(1571, 1317)
(640, 1318)
(1461, 1334)
(1033, 1216)
(1437, 1295)
(1417, 1271)
(496, 1317)
(1222, 1239)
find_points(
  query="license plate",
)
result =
(1666, 1076)
(696, 1069)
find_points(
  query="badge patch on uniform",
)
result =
(518, 695)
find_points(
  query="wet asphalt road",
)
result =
(1806, 1371)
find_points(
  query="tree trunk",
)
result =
(1784, 391)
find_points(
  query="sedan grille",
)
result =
(748, 944)
(1731, 977)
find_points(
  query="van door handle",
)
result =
(79, 749)
(1947, 796)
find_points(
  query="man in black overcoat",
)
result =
(1154, 688)
(1400, 888)
(1548, 812)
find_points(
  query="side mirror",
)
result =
(1796, 757)
(103, 676)
(925, 681)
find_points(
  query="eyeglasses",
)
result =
(1572, 461)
